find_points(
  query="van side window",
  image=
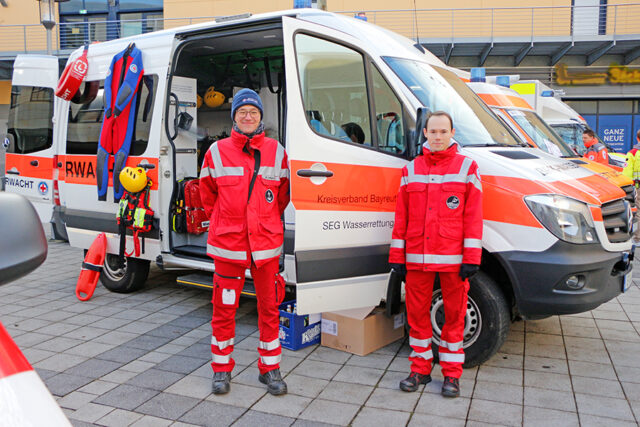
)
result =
(389, 122)
(334, 89)
(85, 120)
(29, 123)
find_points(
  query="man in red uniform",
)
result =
(596, 151)
(244, 187)
(438, 230)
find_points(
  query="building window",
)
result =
(87, 21)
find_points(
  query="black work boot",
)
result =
(414, 379)
(221, 382)
(451, 387)
(275, 383)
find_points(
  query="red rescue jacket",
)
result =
(243, 227)
(597, 152)
(438, 222)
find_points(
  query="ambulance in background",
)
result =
(527, 124)
(30, 155)
(563, 119)
(556, 236)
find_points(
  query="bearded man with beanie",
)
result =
(244, 187)
(437, 231)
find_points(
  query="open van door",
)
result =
(30, 152)
(343, 187)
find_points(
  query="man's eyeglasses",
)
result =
(253, 113)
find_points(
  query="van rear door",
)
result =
(30, 151)
(345, 138)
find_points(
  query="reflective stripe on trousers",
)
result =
(418, 342)
(220, 359)
(222, 344)
(271, 345)
(451, 346)
(427, 355)
(451, 357)
(271, 360)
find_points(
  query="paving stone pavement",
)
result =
(143, 359)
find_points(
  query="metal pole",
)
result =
(452, 25)
(492, 10)
(532, 12)
(48, 41)
(24, 32)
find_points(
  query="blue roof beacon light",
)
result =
(478, 75)
(504, 81)
(547, 93)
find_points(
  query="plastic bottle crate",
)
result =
(295, 330)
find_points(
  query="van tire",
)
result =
(124, 280)
(486, 299)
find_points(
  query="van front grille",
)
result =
(630, 194)
(616, 216)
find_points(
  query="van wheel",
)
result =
(124, 279)
(486, 324)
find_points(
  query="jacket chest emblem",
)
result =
(453, 202)
(268, 196)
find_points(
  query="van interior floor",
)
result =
(192, 251)
(205, 280)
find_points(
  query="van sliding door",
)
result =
(344, 142)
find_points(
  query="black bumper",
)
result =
(539, 278)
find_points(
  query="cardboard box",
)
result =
(350, 332)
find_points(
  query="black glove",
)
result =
(468, 270)
(400, 269)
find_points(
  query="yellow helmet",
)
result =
(133, 179)
(213, 98)
(198, 101)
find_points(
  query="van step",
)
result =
(205, 280)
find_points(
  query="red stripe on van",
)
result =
(81, 169)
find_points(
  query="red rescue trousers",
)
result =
(228, 281)
(419, 288)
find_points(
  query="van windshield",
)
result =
(544, 138)
(571, 133)
(440, 89)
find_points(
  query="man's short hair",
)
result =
(589, 132)
(439, 113)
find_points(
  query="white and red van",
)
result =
(531, 128)
(556, 236)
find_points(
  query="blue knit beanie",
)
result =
(245, 97)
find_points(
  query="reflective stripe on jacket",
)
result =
(238, 227)
(438, 222)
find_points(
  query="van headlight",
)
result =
(567, 219)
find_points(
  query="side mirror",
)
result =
(417, 137)
(23, 246)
